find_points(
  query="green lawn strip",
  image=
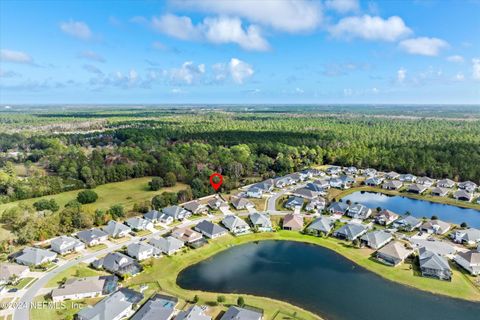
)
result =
(143, 233)
(166, 269)
(60, 312)
(125, 193)
(98, 247)
(79, 271)
(22, 283)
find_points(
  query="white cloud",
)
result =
(91, 55)
(236, 69)
(455, 58)
(187, 73)
(15, 56)
(92, 69)
(423, 46)
(285, 15)
(218, 30)
(343, 6)
(77, 29)
(476, 69)
(459, 77)
(401, 75)
(370, 28)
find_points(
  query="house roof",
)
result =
(117, 262)
(304, 192)
(440, 247)
(231, 222)
(137, 223)
(395, 250)
(82, 285)
(436, 224)
(186, 234)
(387, 214)
(293, 220)
(393, 184)
(351, 230)
(470, 234)
(89, 235)
(112, 306)
(446, 182)
(432, 260)
(462, 194)
(358, 210)
(114, 228)
(239, 202)
(35, 256)
(7, 270)
(173, 211)
(260, 219)
(294, 201)
(167, 244)
(425, 180)
(237, 313)
(193, 313)
(472, 257)
(392, 175)
(135, 249)
(338, 206)
(417, 187)
(323, 224)
(152, 215)
(210, 227)
(440, 190)
(192, 206)
(376, 238)
(314, 187)
(159, 307)
(65, 242)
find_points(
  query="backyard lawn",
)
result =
(81, 270)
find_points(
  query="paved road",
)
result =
(272, 200)
(22, 312)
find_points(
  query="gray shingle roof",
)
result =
(231, 222)
(112, 306)
(237, 313)
(210, 228)
(323, 224)
(260, 220)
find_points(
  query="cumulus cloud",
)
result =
(286, 15)
(15, 56)
(343, 6)
(423, 46)
(459, 77)
(92, 69)
(77, 29)
(476, 69)
(187, 73)
(91, 55)
(220, 30)
(370, 28)
(455, 58)
(401, 75)
(236, 69)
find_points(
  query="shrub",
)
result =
(87, 196)
(156, 184)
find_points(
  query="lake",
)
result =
(318, 280)
(418, 208)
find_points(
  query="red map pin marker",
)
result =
(214, 184)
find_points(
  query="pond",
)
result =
(319, 280)
(418, 208)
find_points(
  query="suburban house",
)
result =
(293, 221)
(442, 248)
(186, 235)
(434, 265)
(343, 182)
(240, 203)
(236, 225)
(175, 212)
(392, 175)
(440, 192)
(117, 306)
(64, 244)
(350, 231)
(369, 172)
(320, 226)
(216, 203)
(260, 221)
(152, 216)
(296, 177)
(92, 237)
(237, 313)
(416, 188)
(425, 181)
(139, 224)
(435, 227)
(359, 211)
(193, 313)
(82, 288)
(10, 272)
(310, 173)
(158, 307)
(119, 264)
(282, 182)
(445, 183)
(333, 170)
(470, 261)
(168, 245)
(385, 217)
(210, 229)
(468, 186)
(317, 204)
(116, 229)
(393, 253)
(315, 187)
(376, 239)
(35, 256)
(351, 170)
(324, 184)
(142, 251)
(294, 202)
(463, 195)
(254, 192)
(373, 181)
(407, 223)
(468, 236)
(305, 193)
(338, 208)
(407, 177)
(392, 185)
(195, 207)
(265, 186)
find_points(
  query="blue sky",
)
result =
(330, 51)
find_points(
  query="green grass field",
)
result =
(79, 271)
